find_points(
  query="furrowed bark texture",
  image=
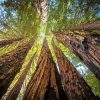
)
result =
(74, 85)
(8, 42)
(87, 27)
(86, 48)
(45, 83)
(16, 89)
(10, 64)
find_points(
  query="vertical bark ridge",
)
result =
(16, 89)
(86, 48)
(10, 64)
(62, 94)
(74, 85)
(44, 84)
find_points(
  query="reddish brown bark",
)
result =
(86, 27)
(7, 42)
(10, 64)
(16, 89)
(44, 84)
(74, 85)
(86, 48)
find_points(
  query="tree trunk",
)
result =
(44, 84)
(74, 85)
(7, 42)
(42, 8)
(87, 27)
(86, 48)
(16, 89)
(10, 64)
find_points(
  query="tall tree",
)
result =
(86, 48)
(10, 64)
(74, 85)
(16, 89)
(33, 17)
(44, 84)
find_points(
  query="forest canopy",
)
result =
(30, 30)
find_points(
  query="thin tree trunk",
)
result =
(44, 84)
(74, 85)
(16, 89)
(86, 48)
(87, 27)
(7, 42)
(10, 64)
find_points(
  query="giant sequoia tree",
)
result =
(85, 47)
(74, 85)
(15, 90)
(10, 64)
(75, 24)
(45, 83)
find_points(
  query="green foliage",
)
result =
(17, 4)
(64, 14)
(22, 22)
